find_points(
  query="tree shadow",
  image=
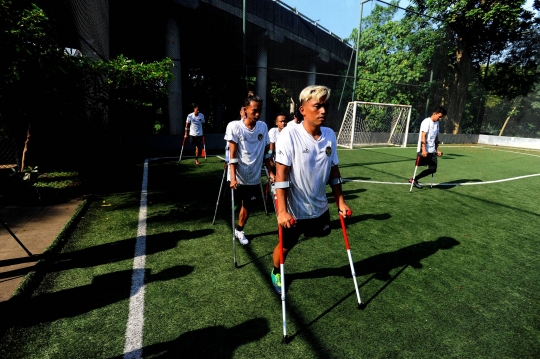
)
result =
(211, 342)
(106, 289)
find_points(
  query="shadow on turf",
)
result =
(104, 290)
(105, 253)
(210, 342)
(379, 266)
(452, 184)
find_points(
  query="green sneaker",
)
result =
(276, 281)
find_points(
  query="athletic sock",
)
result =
(276, 270)
(239, 228)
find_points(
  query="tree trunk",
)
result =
(25, 147)
(458, 92)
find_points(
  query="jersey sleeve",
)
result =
(424, 127)
(202, 118)
(284, 148)
(230, 133)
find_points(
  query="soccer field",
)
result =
(448, 271)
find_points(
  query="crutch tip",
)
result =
(361, 306)
(285, 340)
(235, 265)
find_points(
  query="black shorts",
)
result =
(313, 227)
(246, 195)
(429, 160)
(195, 140)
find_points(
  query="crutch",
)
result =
(415, 169)
(183, 142)
(346, 239)
(282, 272)
(232, 226)
(219, 194)
(431, 184)
(203, 154)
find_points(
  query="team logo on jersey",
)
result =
(260, 136)
(305, 150)
(328, 151)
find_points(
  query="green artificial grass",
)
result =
(445, 272)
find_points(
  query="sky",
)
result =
(341, 16)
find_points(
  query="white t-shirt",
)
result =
(249, 150)
(196, 124)
(310, 162)
(432, 130)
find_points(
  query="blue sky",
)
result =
(341, 16)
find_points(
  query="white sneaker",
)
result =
(241, 237)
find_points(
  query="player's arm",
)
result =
(233, 162)
(423, 144)
(439, 153)
(335, 182)
(268, 163)
(282, 186)
(187, 127)
(271, 151)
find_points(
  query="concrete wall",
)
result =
(446, 138)
(520, 142)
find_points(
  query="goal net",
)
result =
(374, 124)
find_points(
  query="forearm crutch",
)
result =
(431, 184)
(219, 194)
(346, 239)
(183, 142)
(232, 226)
(415, 169)
(282, 272)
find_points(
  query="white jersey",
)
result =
(249, 150)
(310, 162)
(196, 124)
(432, 130)
(273, 134)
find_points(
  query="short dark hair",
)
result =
(252, 98)
(281, 114)
(440, 109)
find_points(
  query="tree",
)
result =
(484, 32)
(395, 57)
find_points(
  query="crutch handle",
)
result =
(348, 213)
(292, 221)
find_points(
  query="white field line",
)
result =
(134, 328)
(448, 184)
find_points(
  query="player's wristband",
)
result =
(284, 184)
(233, 160)
(335, 181)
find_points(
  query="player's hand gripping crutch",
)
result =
(415, 169)
(346, 239)
(219, 194)
(292, 221)
(183, 142)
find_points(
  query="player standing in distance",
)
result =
(194, 124)
(273, 134)
(428, 144)
(306, 161)
(248, 146)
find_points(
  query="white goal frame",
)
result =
(374, 124)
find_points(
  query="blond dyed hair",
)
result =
(314, 92)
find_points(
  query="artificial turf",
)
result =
(445, 272)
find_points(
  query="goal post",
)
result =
(374, 124)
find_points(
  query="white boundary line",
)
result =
(134, 328)
(448, 184)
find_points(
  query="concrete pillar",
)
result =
(172, 50)
(262, 76)
(312, 75)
